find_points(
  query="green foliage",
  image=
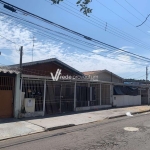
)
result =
(81, 3)
(56, 1)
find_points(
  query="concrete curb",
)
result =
(71, 125)
(138, 112)
(59, 127)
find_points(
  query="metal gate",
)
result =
(105, 94)
(6, 97)
(59, 97)
(144, 96)
(34, 89)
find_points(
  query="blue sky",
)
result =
(121, 19)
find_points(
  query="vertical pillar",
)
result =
(60, 97)
(21, 93)
(89, 94)
(111, 94)
(148, 96)
(100, 95)
(75, 94)
(17, 108)
(140, 96)
(44, 97)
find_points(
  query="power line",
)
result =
(132, 74)
(143, 21)
(119, 16)
(129, 11)
(134, 8)
(110, 29)
(8, 40)
(138, 12)
(94, 53)
(103, 48)
(47, 21)
(87, 38)
(142, 76)
(88, 51)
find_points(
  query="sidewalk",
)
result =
(13, 127)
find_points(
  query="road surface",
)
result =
(126, 133)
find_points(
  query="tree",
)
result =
(83, 4)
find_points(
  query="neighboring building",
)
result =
(105, 75)
(9, 92)
(145, 92)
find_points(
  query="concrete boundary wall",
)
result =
(126, 100)
(92, 107)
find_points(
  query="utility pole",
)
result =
(146, 74)
(21, 53)
(147, 84)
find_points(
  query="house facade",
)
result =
(50, 86)
(41, 94)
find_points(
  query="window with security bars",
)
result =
(6, 83)
(59, 97)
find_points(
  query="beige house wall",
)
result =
(104, 76)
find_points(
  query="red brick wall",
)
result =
(44, 69)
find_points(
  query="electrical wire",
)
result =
(49, 22)
(132, 74)
(103, 22)
(81, 34)
(121, 17)
(129, 12)
(105, 48)
(110, 29)
(103, 55)
(8, 40)
(134, 8)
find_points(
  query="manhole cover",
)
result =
(132, 129)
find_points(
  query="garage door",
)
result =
(6, 97)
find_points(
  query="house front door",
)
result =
(6, 97)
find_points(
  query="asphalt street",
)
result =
(105, 135)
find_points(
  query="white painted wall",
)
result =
(105, 76)
(126, 100)
(29, 105)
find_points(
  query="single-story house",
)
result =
(50, 86)
(122, 99)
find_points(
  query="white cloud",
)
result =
(99, 50)
(44, 49)
(127, 48)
